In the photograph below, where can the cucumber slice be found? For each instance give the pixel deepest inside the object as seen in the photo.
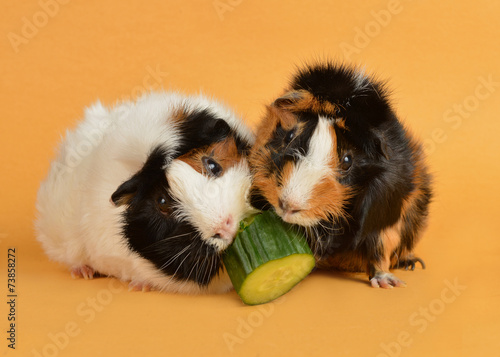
(267, 258)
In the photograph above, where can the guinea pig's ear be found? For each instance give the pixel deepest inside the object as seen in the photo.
(382, 145)
(290, 99)
(144, 180)
(303, 100)
(124, 193)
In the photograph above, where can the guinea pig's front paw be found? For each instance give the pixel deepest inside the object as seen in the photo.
(139, 286)
(82, 271)
(386, 280)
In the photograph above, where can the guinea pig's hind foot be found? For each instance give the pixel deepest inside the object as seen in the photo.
(139, 286)
(386, 280)
(409, 263)
(82, 271)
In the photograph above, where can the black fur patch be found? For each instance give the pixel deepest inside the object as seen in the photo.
(242, 146)
(173, 247)
(283, 150)
(202, 128)
(258, 201)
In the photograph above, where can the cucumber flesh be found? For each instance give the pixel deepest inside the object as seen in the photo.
(275, 278)
(267, 259)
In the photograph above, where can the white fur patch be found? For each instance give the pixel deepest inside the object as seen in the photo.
(206, 202)
(311, 169)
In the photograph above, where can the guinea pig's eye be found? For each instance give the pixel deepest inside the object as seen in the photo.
(163, 204)
(346, 162)
(289, 136)
(211, 166)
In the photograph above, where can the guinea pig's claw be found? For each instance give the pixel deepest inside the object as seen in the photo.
(139, 286)
(410, 263)
(386, 281)
(83, 271)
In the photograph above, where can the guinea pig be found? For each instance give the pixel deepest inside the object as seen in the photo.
(332, 158)
(150, 192)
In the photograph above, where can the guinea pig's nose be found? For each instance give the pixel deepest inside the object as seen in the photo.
(287, 208)
(281, 204)
(226, 229)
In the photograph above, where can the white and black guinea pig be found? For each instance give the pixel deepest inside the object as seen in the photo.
(150, 192)
(332, 157)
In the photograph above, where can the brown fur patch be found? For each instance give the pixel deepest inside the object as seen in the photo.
(327, 200)
(346, 261)
(340, 122)
(274, 116)
(260, 156)
(287, 172)
(123, 200)
(266, 185)
(420, 179)
(390, 238)
(224, 152)
(179, 115)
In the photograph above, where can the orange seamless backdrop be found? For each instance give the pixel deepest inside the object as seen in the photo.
(441, 59)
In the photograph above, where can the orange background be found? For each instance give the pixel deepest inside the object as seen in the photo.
(436, 55)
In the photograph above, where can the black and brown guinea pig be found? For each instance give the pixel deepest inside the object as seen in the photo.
(332, 157)
(150, 192)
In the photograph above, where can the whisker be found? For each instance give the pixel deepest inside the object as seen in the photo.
(163, 240)
(171, 260)
(176, 270)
